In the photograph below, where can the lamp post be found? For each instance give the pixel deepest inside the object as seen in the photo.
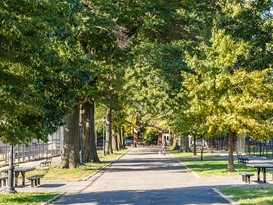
(103, 137)
(11, 188)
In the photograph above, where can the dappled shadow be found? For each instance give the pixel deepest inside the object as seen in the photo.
(199, 195)
(147, 164)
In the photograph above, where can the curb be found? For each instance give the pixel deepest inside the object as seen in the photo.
(53, 199)
(225, 197)
(190, 170)
(107, 165)
(86, 178)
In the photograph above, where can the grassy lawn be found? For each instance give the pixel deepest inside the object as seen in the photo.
(56, 174)
(212, 166)
(25, 198)
(252, 195)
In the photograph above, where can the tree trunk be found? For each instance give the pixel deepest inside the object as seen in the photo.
(89, 141)
(194, 146)
(118, 138)
(122, 138)
(230, 152)
(181, 145)
(94, 154)
(70, 157)
(108, 141)
(115, 142)
(202, 151)
(86, 133)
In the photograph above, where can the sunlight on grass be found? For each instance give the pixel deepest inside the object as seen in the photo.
(252, 195)
(56, 174)
(212, 166)
(33, 198)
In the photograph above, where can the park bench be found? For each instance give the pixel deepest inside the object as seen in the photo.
(46, 163)
(242, 159)
(35, 180)
(4, 179)
(246, 176)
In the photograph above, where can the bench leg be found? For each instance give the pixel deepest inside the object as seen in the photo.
(5, 182)
(32, 182)
(248, 179)
(38, 181)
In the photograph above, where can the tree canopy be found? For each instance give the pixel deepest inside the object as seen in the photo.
(204, 67)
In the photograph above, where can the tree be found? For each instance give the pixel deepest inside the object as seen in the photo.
(222, 94)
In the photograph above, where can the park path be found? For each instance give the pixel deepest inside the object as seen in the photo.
(143, 176)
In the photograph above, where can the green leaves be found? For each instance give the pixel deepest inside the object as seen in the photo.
(39, 64)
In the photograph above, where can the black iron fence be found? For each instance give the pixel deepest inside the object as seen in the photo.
(259, 148)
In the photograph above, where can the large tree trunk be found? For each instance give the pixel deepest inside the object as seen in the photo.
(230, 152)
(89, 141)
(70, 157)
(122, 138)
(108, 141)
(119, 138)
(194, 146)
(86, 133)
(115, 141)
(94, 154)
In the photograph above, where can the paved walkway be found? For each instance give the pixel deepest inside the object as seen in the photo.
(142, 176)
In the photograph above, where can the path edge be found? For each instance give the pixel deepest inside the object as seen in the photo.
(225, 197)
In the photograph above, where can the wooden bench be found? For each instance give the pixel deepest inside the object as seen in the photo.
(246, 176)
(242, 159)
(35, 180)
(4, 179)
(46, 163)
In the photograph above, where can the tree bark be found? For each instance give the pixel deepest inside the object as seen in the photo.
(89, 141)
(115, 141)
(194, 146)
(70, 157)
(202, 151)
(230, 152)
(108, 137)
(94, 154)
(122, 138)
(86, 132)
(118, 138)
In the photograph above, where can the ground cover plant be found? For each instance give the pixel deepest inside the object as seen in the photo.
(213, 165)
(24, 198)
(55, 174)
(250, 195)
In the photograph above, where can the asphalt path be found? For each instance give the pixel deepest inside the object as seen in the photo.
(143, 176)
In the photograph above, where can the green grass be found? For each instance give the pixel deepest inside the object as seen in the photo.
(252, 195)
(56, 174)
(212, 166)
(33, 198)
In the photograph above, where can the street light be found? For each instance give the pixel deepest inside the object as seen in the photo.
(103, 139)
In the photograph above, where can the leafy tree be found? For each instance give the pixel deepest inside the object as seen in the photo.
(38, 55)
(227, 97)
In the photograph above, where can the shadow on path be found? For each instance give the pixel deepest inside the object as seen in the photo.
(179, 196)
